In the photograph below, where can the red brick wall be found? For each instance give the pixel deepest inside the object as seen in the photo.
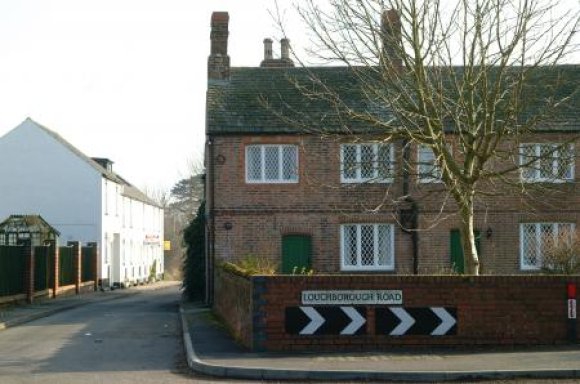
(491, 310)
(233, 303)
(260, 214)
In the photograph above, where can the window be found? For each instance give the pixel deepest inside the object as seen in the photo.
(427, 169)
(536, 238)
(106, 193)
(367, 162)
(367, 247)
(272, 164)
(549, 162)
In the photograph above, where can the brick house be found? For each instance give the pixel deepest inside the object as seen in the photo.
(297, 194)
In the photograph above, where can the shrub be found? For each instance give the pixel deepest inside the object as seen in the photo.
(194, 261)
(254, 265)
(561, 255)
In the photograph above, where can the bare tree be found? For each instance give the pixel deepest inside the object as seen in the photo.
(477, 76)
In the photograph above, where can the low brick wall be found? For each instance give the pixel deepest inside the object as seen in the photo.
(489, 310)
(233, 303)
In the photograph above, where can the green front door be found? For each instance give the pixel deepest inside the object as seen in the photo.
(296, 253)
(457, 260)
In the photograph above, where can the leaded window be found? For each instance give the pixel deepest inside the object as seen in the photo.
(368, 162)
(536, 239)
(547, 162)
(271, 164)
(367, 247)
(427, 168)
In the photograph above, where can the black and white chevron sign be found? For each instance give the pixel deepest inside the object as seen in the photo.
(399, 321)
(326, 320)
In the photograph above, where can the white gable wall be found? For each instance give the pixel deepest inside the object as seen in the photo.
(39, 175)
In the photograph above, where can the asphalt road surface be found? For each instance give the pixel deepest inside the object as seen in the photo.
(135, 339)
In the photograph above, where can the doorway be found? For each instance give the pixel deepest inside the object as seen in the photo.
(296, 253)
(457, 260)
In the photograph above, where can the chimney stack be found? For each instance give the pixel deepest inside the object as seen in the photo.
(283, 62)
(218, 64)
(391, 35)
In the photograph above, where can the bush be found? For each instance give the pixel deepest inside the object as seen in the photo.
(562, 255)
(194, 262)
(253, 265)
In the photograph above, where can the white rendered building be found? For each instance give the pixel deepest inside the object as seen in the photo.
(41, 173)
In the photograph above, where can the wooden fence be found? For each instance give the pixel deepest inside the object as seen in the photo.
(27, 272)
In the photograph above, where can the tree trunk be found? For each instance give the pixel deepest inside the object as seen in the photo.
(470, 255)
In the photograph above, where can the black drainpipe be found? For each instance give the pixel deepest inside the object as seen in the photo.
(210, 222)
(409, 216)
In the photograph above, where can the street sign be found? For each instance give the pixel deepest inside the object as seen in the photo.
(326, 320)
(346, 297)
(400, 321)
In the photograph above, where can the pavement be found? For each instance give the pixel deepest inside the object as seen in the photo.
(212, 351)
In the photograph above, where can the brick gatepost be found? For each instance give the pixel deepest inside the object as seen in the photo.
(53, 254)
(95, 259)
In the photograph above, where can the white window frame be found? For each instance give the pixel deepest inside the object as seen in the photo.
(537, 178)
(263, 179)
(538, 243)
(370, 268)
(375, 177)
(422, 164)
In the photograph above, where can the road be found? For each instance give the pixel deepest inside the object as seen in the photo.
(136, 339)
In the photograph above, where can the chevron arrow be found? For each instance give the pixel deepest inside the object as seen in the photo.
(406, 321)
(447, 321)
(316, 321)
(356, 321)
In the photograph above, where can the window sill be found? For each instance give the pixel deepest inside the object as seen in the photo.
(430, 181)
(271, 182)
(548, 181)
(367, 269)
(530, 269)
(370, 181)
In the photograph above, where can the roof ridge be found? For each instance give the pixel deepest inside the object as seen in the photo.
(137, 194)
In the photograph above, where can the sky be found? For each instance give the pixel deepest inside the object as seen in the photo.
(122, 79)
(126, 79)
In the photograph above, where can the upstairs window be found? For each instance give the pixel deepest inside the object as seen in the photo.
(427, 168)
(367, 163)
(548, 162)
(272, 164)
(367, 247)
(536, 239)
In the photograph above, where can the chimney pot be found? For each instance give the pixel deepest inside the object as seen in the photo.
(268, 49)
(285, 49)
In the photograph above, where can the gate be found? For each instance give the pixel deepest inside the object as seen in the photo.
(66, 266)
(12, 270)
(41, 268)
(87, 264)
